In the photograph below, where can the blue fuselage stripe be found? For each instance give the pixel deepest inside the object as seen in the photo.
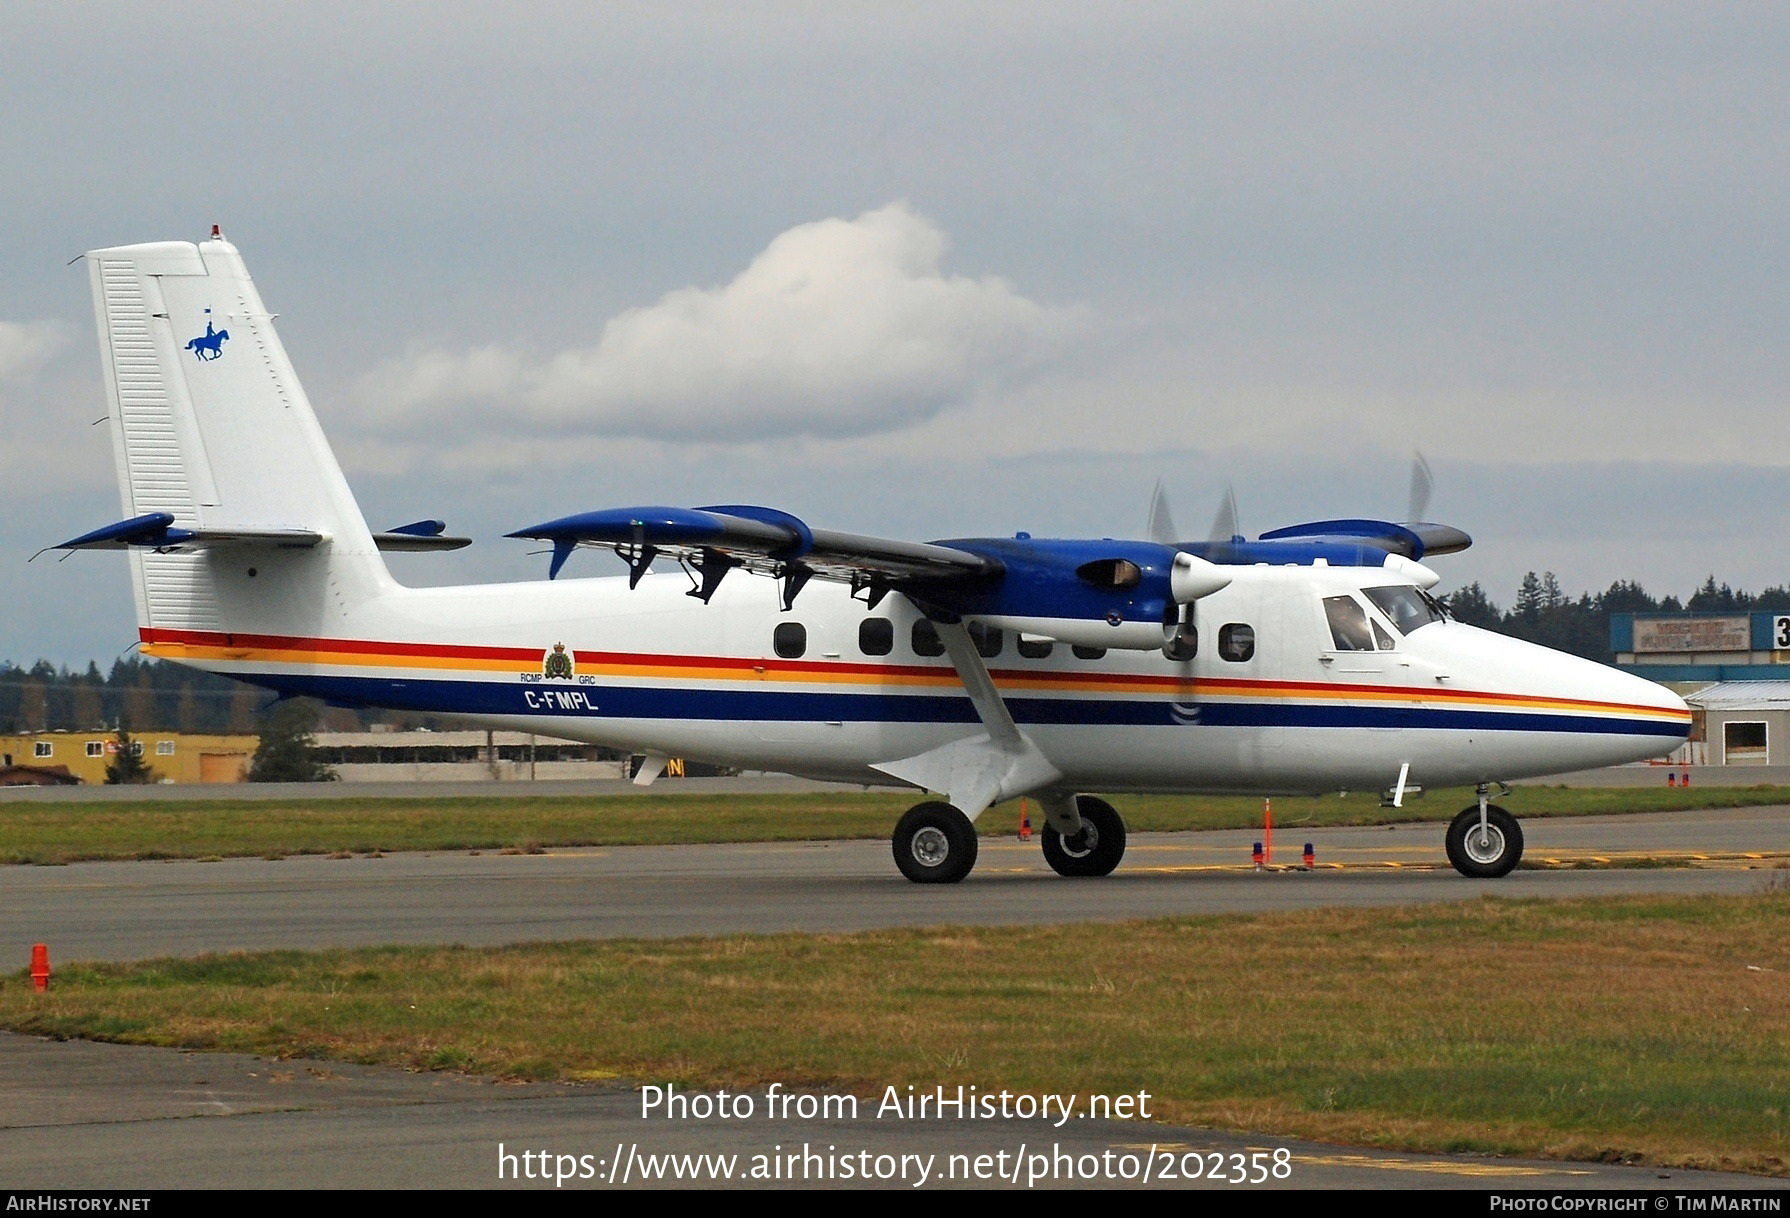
(757, 705)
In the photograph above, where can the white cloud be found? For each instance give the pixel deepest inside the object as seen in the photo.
(838, 328)
(47, 406)
(27, 346)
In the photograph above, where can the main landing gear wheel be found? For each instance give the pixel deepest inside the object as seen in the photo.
(1096, 850)
(1488, 855)
(934, 844)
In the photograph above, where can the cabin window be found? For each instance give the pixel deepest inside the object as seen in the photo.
(1348, 624)
(926, 639)
(1087, 653)
(876, 636)
(988, 640)
(43, 748)
(96, 748)
(790, 639)
(1236, 642)
(1408, 608)
(1035, 648)
(1744, 744)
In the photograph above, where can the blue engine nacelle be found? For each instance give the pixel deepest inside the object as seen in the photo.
(1121, 594)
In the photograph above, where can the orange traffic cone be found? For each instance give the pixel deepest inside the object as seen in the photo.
(40, 967)
(1025, 822)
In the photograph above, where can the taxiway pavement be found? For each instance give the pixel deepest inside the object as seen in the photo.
(79, 1115)
(122, 911)
(86, 1116)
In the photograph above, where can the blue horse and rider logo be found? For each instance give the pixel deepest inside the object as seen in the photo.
(209, 345)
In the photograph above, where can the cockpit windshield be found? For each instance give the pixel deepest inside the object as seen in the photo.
(1409, 608)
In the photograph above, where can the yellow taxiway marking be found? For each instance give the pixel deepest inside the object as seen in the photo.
(1435, 1166)
(1438, 1166)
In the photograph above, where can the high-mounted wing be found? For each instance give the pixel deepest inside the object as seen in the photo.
(1412, 539)
(1100, 593)
(711, 541)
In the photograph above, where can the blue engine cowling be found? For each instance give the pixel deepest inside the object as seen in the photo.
(1089, 593)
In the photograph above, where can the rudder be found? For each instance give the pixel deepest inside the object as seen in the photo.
(211, 426)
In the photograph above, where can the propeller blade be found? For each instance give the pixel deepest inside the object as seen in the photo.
(1162, 523)
(1224, 525)
(1422, 483)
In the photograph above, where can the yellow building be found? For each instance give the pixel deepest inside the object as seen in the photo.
(174, 756)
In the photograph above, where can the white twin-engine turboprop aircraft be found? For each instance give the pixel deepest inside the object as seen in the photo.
(1311, 659)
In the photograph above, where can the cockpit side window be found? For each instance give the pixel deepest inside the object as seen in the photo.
(1348, 624)
(1407, 608)
(1381, 636)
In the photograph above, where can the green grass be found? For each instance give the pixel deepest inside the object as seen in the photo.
(33, 832)
(1641, 1029)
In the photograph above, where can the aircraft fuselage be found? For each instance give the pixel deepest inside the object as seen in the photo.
(1269, 702)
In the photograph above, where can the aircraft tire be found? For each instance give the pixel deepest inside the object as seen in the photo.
(1487, 860)
(934, 843)
(1101, 847)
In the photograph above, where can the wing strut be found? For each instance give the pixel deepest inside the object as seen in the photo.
(977, 771)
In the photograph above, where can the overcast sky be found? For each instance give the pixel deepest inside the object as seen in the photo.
(932, 271)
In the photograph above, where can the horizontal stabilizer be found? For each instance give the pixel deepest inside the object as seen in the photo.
(156, 530)
(418, 537)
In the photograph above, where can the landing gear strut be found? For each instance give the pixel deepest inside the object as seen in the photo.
(934, 843)
(1484, 841)
(1095, 849)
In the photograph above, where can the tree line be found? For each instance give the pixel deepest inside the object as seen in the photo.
(144, 695)
(1543, 613)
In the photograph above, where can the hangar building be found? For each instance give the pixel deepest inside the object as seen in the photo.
(1692, 649)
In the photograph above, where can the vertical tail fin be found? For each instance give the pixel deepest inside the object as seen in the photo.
(211, 426)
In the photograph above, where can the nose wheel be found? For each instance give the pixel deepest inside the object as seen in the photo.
(1093, 850)
(1485, 845)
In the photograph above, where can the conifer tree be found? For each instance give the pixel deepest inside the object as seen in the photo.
(127, 764)
(287, 751)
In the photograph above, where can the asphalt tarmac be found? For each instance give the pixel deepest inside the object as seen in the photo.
(744, 784)
(124, 911)
(81, 1115)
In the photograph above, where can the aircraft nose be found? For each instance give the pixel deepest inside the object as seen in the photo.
(1642, 692)
(1652, 702)
(1589, 715)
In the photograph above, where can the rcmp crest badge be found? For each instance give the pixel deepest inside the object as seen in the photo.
(558, 664)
